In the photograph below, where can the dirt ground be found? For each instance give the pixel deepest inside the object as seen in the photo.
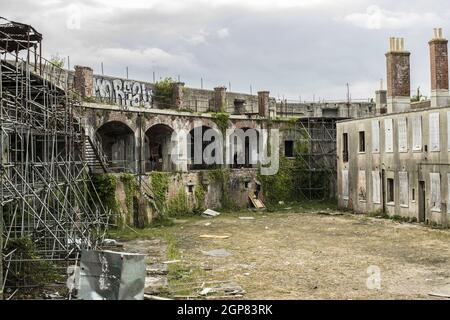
(310, 256)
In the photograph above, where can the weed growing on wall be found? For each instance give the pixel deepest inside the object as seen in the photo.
(222, 121)
(162, 93)
(179, 204)
(222, 177)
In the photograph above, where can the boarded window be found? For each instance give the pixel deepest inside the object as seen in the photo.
(345, 184)
(390, 189)
(434, 131)
(375, 136)
(402, 135)
(403, 186)
(448, 131)
(376, 187)
(417, 133)
(435, 190)
(388, 136)
(362, 196)
(448, 192)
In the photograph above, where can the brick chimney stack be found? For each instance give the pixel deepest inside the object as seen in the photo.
(177, 95)
(220, 99)
(263, 103)
(84, 81)
(439, 69)
(398, 76)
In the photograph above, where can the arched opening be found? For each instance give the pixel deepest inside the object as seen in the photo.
(158, 146)
(245, 148)
(196, 149)
(118, 144)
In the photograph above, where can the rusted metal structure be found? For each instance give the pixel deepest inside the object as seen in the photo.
(49, 210)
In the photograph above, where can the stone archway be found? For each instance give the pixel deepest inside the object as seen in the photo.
(245, 148)
(158, 147)
(118, 144)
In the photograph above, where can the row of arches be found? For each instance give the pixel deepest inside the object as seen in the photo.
(120, 146)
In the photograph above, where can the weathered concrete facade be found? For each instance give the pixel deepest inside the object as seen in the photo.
(399, 162)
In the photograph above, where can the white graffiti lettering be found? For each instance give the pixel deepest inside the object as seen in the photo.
(123, 92)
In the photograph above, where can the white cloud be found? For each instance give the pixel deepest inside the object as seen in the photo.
(377, 18)
(144, 57)
(197, 37)
(223, 33)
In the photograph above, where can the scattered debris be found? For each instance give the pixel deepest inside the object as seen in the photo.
(155, 285)
(257, 203)
(212, 236)
(179, 221)
(227, 289)
(152, 297)
(219, 253)
(329, 213)
(207, 224)
(288, 208)
(443, 292)
(210, 213)
(109, 242)
(157, 269)
(171, 261)
(267, 228)
(247, 218)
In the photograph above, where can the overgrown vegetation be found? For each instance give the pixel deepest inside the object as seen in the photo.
(179, 204)
(291, 183)
(105, 185)
(57, 61)
(35, 271)
(160, 187)
(162, 93)
(222, 120)
(130, 187)
(221, 176)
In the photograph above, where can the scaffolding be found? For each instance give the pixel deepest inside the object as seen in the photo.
(316, 157)
(46, 194)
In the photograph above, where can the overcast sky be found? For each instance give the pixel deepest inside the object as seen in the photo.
(289, 47)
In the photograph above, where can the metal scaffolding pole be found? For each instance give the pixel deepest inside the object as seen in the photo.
(47, 196)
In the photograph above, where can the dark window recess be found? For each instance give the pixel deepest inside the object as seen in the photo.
(413, 195)
(390, 190)
(362, 141)
(246, 184)
(345, 147)
(190, 188)
(289, 148)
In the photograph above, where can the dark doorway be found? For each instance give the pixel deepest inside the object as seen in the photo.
(421, 201)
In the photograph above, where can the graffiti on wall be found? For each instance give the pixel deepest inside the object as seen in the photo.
(123, 92)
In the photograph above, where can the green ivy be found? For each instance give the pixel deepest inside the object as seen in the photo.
(222, 120)
(130, 187)
(105, 185)
(160, 187)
